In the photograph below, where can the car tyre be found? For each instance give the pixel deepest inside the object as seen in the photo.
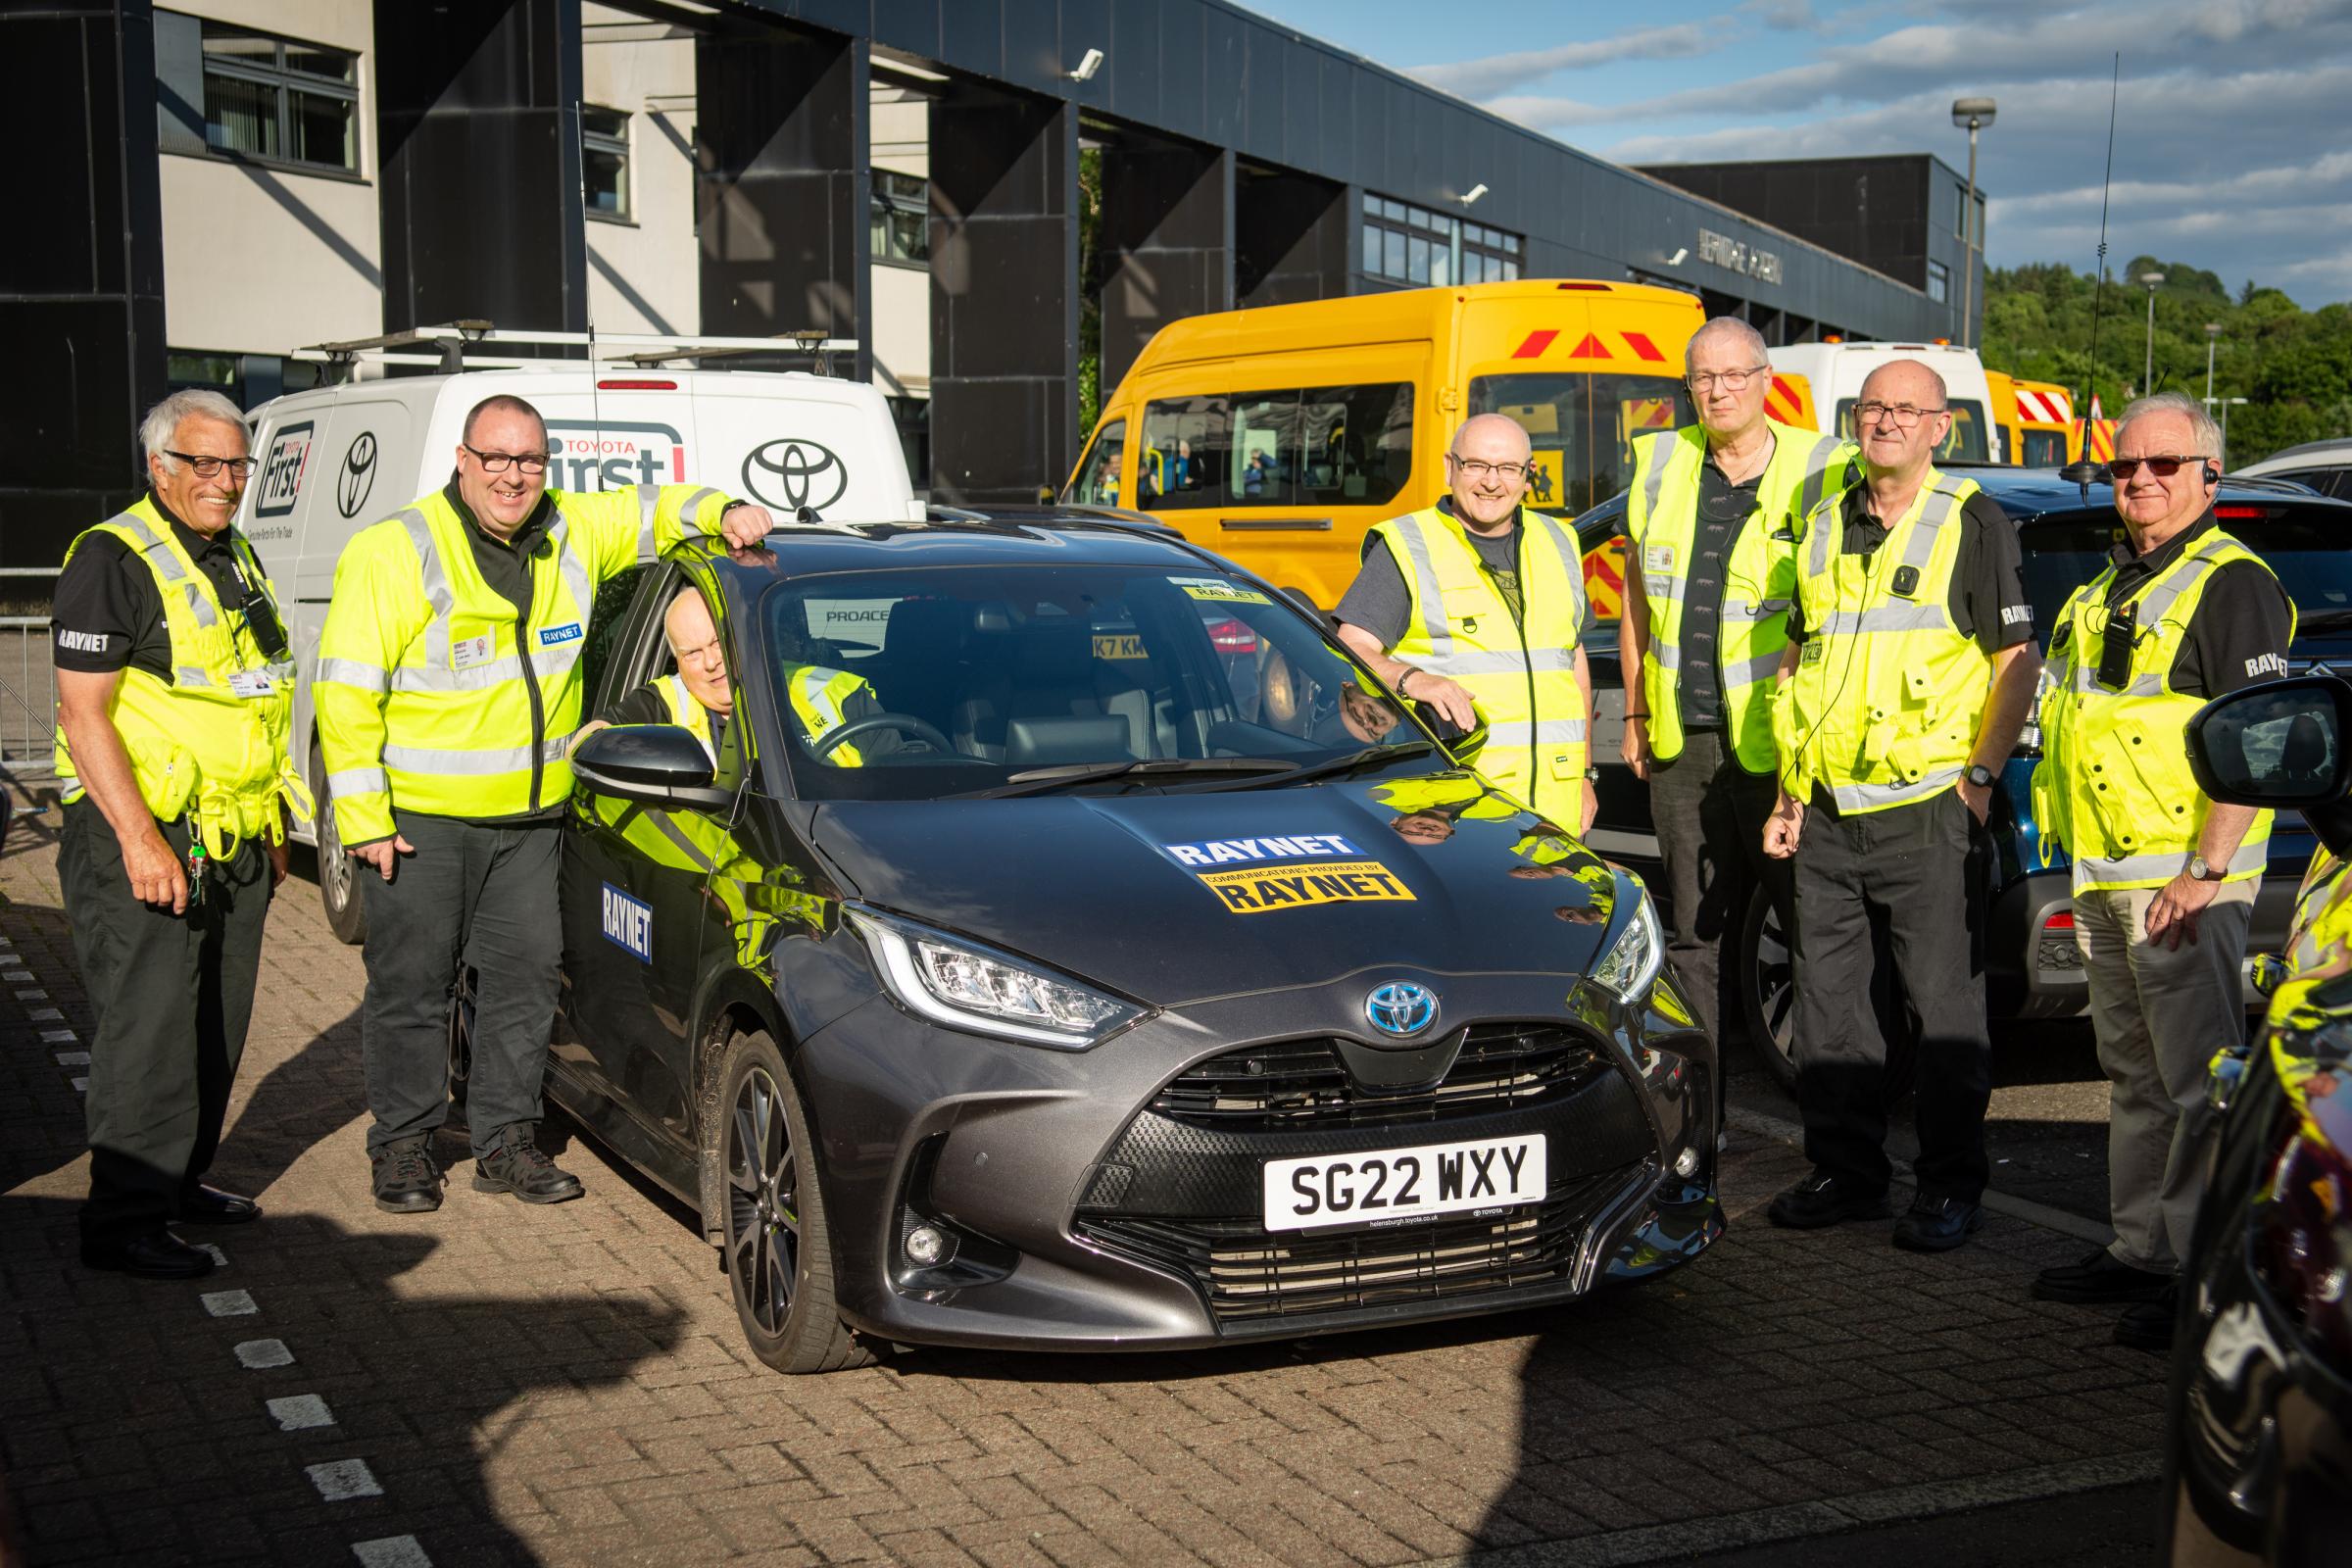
(773, 1238)
(339, 876)
(1768, 1005)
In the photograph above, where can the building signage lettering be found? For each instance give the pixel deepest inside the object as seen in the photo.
(1721, 250)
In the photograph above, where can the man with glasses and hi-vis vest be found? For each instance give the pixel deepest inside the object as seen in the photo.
(448, 687)
(174, 695)
(1473, 607)
(1910, 667)
(1710, 565)
(2164, 878)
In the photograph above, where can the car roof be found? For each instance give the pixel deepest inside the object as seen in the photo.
(2334, 453)
(1040, 536)
(2028, 494)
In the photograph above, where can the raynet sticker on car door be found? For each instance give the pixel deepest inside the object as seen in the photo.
(1255, 875)
(628, 923)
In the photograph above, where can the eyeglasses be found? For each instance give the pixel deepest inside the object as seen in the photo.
(1905, 415)
(2163, 467)
(209, 468)
(1729, 380)
(1473, 468)
(497, 462)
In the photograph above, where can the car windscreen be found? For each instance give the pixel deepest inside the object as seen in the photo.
(2304, 544)
(943, 680)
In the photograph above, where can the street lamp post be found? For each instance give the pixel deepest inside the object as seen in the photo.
(1971, 113)
(2224, 404)
(2148, 375)
(2212, 335)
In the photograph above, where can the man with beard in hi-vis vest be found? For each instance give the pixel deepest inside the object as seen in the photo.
(1910, 666)
(175, 696)
(1710, 566)
(448, 686)
(1473, 607)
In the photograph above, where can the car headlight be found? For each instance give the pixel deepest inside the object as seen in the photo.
(966, 986)
(1633, 961)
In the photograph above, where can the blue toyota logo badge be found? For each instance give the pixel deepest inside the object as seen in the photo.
(1401, 1008)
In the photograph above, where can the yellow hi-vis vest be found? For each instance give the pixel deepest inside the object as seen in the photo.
(1759, 575)
(2114, 784)
(1883, 704)
(1522, 678)
(687, 714)
(433, 693)
(820, 697)
(211, 742)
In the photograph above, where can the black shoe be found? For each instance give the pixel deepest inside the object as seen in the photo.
(406, 1180)
(156, 1255)
(210, 1205)
(2099, 1277)
(1822, 1199)
(1937, 1224)
(519, 1165)
(2149, 1325)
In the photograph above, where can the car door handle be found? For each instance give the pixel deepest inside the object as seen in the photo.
(1275, 525)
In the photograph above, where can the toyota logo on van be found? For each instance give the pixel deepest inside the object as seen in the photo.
(358, 476)
(792, 473)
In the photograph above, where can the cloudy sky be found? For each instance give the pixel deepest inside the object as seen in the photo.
(2233, 135)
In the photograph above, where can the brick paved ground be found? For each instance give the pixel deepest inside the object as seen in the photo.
(503, 1383)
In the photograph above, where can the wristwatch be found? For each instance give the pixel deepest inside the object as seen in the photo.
(1980, 775)
(2200, 871)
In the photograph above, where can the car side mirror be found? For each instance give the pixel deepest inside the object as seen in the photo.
(654, 764)
(2280, 744)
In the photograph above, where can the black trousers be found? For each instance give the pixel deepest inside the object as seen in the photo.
(173, 996)
(1709, 813)
(471, 894)
(1917, 868)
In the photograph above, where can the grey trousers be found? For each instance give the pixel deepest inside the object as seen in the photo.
(470, 895)
(1709, 813)
(2159, 1016)
(172, 995)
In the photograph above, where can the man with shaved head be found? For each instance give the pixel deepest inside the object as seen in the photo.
(1910, 666)
(1473, 609)
(1710, 562)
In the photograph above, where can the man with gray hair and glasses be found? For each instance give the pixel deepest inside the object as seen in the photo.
(2164, 878)
(1710, 567)
(174, 693)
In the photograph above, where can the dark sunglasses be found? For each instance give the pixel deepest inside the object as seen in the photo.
(2163, 467)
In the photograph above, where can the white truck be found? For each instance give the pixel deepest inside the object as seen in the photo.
(336, 458)
(1833, 373)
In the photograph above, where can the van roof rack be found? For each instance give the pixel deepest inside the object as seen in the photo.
(452, 340)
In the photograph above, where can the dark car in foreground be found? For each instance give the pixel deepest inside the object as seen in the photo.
(2066, 529)
(1153, 980)
(2258, 1434)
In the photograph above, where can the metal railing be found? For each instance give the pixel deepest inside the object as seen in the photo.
(28, 686)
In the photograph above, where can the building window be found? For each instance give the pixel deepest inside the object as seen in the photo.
(1940, 282)
(605, 161)
(901, 218)
(280, 101)
(1408, 244)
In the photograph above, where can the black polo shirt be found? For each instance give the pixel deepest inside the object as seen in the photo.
(2240, 633)
(107, 612)
(1987, 599)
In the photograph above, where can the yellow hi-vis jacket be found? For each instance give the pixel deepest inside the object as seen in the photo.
(820, 699)
(211, 742)
(2114, 784)
(433, 693)
(1522, 678)
(1883, 704)
(1759, 575)
(685, 712)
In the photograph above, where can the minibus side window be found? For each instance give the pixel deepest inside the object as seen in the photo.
(1098, 476)
(1309, 446)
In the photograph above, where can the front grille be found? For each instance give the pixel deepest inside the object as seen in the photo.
(1247, 1274)
(1295, 1085)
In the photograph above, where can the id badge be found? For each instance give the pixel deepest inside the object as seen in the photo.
(252, 683)
(467, 652)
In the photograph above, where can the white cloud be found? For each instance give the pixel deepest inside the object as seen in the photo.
(1495, 74)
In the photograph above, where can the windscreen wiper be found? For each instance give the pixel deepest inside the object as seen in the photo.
(1039, 780)
(1369, 757)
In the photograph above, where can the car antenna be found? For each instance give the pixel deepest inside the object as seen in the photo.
(2083, 470)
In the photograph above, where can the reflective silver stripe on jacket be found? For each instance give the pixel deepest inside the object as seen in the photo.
(649, 501)
(1895, 617)
(1918, 615)
(1872, 797)
(352, 673)
(359, 781)
(1572, 560)
(1548, 732)
(498, 760)
(2159, 600)
(575, 580)
(1655, 485)
(1435, 630)
(1748, 671)
(1817, 474)
(168, 568)
(434, 578)
(693, 503)
(1543, 661)
(2251, 856)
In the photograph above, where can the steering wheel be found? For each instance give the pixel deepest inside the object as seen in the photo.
(904, 723)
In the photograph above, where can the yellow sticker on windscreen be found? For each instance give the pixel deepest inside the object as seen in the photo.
(1218, 591)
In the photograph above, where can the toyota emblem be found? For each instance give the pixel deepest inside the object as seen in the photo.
(1401, 1008)
(792, 473)
(358, 476)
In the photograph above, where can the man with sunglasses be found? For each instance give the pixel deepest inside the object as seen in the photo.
(448, 687)
(1710, 563)
(1473, 607)
(1910, 668)
(174, 691)
(2164, 878)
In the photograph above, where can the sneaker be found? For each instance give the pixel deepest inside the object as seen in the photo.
(519, 1165)
(2099, 1277)
(1937, 1224)
(1822, 1199)
(406, 1180)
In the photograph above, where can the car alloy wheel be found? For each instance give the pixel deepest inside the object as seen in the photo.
(338, 881)
(763, 1220)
